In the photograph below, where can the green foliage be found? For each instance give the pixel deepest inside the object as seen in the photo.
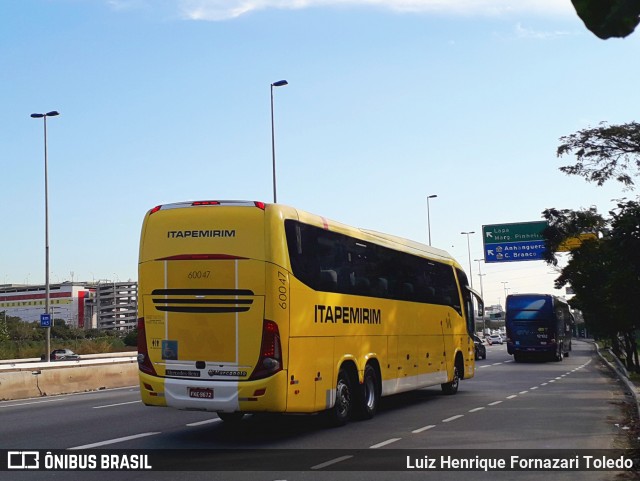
(4, 328)
(604, 272)
(34, 349)
(20, 340)
(609, 18)
(131, 339)
(604, 153)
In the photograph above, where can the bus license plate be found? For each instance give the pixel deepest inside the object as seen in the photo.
(201, 393)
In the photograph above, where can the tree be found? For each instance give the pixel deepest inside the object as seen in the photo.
(4, 328)
(625, 279)
(131, 339)
(604, 153)
(603, 271)
(609, 18)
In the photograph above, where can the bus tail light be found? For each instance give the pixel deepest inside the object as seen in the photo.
(270, 360)
(144, 363)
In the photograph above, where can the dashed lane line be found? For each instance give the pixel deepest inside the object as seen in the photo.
(31, 402)
(384, 443)
(452, 418)
(206, 421)
(114, 441)
(114, 405)
(330, 462)
(424, 428)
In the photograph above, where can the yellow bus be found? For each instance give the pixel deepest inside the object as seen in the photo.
(247, 307)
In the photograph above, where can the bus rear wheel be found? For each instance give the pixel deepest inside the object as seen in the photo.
(341, 411)
(369, 395)
(451, 387)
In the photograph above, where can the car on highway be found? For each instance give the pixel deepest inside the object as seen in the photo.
(481, 351)
(62, 355)
(494, 339)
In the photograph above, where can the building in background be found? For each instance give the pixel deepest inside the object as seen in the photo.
(86, 305)
(114, 305)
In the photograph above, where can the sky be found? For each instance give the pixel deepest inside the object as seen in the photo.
(387, 102)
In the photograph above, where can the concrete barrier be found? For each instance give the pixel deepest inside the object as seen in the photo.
(21, 381)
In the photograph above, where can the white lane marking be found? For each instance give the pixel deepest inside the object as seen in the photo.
(534, 387)
(384, 443)
(452, 418)
(424, 428)
(523, 392)
(544, 383)
(30, 402)
(208, 421)
(476, 409)
(114, 441)
(494, 403)
(113, 405)
(330, 462)
(512, 396)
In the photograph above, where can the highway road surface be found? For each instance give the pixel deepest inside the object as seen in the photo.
(507, 409)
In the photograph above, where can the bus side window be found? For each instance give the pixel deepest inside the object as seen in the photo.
(362, 286)
(407, 291)
(328, 280)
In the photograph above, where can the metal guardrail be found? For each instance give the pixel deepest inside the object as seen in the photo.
(86, 359)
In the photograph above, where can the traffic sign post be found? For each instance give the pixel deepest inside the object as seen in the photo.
(513, 242)
(45, 320)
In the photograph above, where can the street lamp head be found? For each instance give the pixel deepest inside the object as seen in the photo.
(280, 83)
(467, 233)
(53, 113)
(433, 196)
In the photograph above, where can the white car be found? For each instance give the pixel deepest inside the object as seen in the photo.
(494, 339)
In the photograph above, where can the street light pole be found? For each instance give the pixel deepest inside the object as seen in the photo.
(429, 215)
(504, 286)
(279, 83)
(53, 113)
(480, 274)
(469, 252)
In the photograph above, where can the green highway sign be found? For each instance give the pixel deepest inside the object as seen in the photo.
(517, 232)
(513, 242)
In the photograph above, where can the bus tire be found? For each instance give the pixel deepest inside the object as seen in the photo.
(517, 357)
(451, 387)
(559, 357)
(231, 418)
(369, 395)
(341, 411)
